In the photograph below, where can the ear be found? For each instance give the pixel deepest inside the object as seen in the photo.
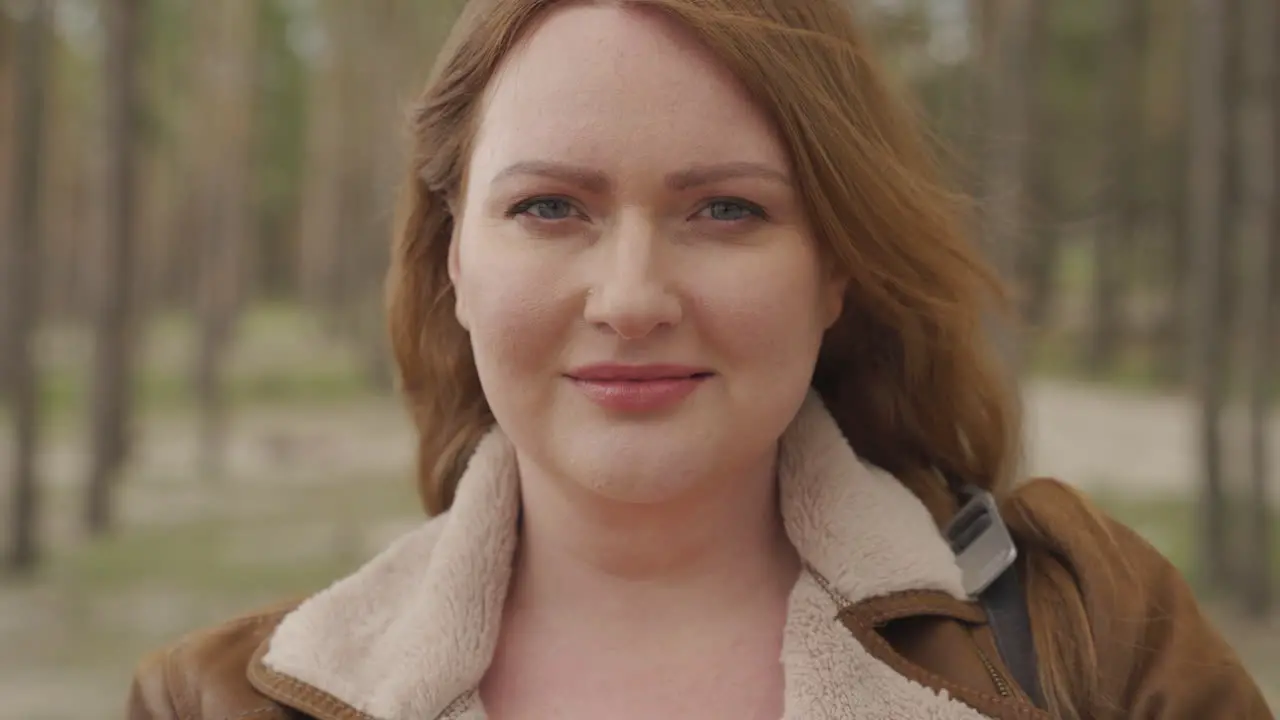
(455, 274)
(833, 292)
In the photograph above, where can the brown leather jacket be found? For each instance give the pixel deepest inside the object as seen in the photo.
(1163, 661)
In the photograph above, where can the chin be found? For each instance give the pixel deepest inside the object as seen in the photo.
(653, 459)
(642, 488)
(646, 467)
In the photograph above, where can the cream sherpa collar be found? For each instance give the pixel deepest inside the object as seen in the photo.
(410, 635)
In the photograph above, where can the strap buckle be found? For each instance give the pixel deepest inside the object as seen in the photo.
(981, 541)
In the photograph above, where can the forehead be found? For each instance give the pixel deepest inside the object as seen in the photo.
(608, 86)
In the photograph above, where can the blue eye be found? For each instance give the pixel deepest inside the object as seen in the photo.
(545, 209)
(732, 210)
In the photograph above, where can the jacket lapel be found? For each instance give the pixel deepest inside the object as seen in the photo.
(862, 535)
(411, 634)
(414, 629)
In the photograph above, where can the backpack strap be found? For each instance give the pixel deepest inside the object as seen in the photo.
(1005, 604)
(986, 553)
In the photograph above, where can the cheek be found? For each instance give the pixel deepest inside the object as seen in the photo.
(517, 314)
(769, 321)
(513, 325)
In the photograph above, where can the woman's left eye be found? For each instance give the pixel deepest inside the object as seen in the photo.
(731, 210)
(544, 208)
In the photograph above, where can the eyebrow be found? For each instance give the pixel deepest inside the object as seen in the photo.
(707, 174)
(597, 182)
(585, 178)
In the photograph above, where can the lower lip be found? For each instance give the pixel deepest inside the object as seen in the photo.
(639, 395)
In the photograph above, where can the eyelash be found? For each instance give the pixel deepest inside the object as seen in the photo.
(751, 208)
(524, 206)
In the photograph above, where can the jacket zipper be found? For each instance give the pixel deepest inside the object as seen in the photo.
(1002, 685)
(842, 605)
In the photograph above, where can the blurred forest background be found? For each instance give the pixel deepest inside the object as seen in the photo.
(195, 201)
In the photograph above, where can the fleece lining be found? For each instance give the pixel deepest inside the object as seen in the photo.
(412, 633)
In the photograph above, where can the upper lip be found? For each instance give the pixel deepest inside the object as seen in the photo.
(616, 371)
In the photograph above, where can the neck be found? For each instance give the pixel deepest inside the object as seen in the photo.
(586, 555)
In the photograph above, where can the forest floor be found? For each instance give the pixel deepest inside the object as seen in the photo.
(313, 488)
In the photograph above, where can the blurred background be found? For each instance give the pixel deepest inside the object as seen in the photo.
(195, 200)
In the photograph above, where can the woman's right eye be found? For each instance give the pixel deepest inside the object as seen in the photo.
(544, 209)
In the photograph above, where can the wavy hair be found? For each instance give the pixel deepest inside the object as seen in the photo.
(906, 371)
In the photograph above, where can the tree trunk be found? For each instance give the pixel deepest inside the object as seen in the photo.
(1231, 438)
(1174, 348)
(1232, 150)
(1010, 27)
(381, 167)
(227, 74)
(181, 179)
(1207, 143)
(1173, 363)
(352, 147)
(23, 281)
(1262, 223)
(1123, 110)
(320, 241)
(1040, 257)
(113, 379)
(6, 148)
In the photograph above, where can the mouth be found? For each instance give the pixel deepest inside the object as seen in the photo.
(637, 373)
(638, 389)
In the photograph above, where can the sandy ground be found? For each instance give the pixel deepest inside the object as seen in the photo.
(1103, 439)
(1100, 439)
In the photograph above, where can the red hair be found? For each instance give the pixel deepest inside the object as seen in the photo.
(906, 371)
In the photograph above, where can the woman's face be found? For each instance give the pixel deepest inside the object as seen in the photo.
(644, 298)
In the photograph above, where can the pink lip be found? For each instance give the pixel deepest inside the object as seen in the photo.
(638, 388)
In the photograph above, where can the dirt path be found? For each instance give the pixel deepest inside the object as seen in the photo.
(1100, 438)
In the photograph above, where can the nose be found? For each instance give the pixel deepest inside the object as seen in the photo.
(631, 295)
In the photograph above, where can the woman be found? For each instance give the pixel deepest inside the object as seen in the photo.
(689, 333)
